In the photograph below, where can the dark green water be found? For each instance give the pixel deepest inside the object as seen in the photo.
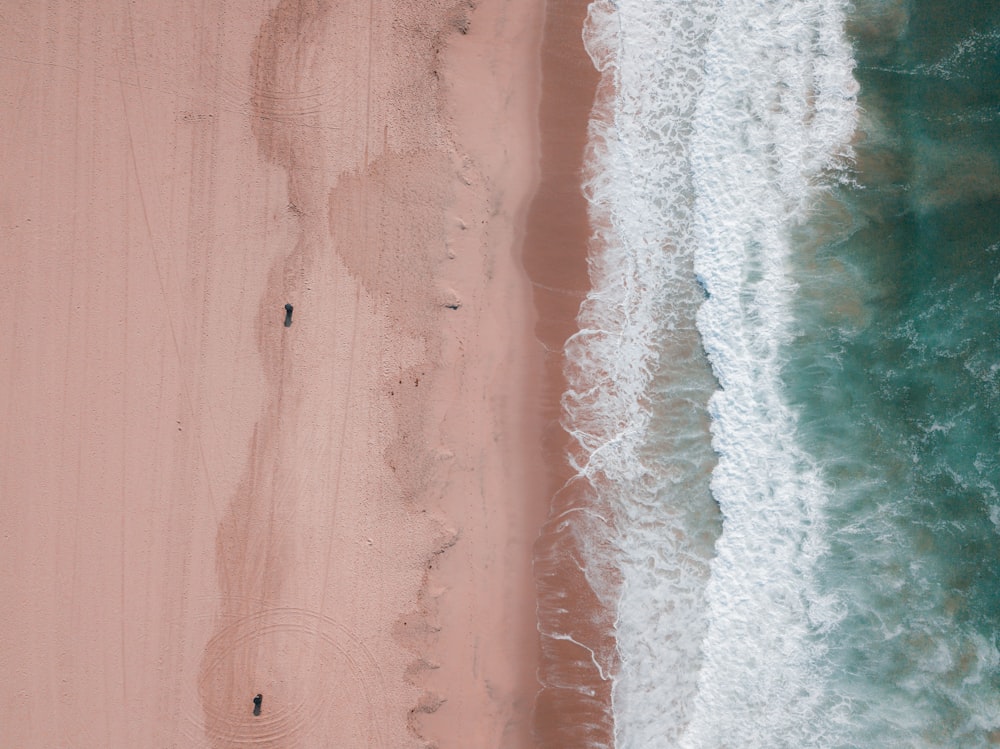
(896, 376)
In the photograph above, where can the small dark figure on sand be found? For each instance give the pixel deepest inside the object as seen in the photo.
(288, 315)
(256, 704)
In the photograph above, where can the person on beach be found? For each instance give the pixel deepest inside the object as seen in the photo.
(288, 315)
(256, 704)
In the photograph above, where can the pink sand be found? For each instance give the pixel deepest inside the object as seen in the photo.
(200, 504)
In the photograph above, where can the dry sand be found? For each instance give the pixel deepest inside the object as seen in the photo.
(200, 504)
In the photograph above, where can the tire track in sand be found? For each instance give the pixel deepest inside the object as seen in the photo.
(256, 654)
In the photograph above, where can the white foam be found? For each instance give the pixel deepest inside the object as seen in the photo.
(777, 112)
(966, 55)
(726, 118)
(637, 357)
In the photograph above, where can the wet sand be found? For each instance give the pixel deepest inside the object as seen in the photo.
(202, 504)
(574, 707)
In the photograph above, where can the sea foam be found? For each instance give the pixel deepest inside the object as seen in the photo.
(722, 122)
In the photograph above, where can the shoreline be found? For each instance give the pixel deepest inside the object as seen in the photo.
(574, 706)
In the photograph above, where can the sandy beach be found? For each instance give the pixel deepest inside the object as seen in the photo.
(201, 504)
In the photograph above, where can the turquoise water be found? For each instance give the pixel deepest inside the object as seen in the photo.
(895, 372)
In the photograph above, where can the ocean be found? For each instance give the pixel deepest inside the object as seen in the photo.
(784, 392)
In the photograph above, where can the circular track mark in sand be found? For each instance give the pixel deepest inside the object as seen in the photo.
(315, 675)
